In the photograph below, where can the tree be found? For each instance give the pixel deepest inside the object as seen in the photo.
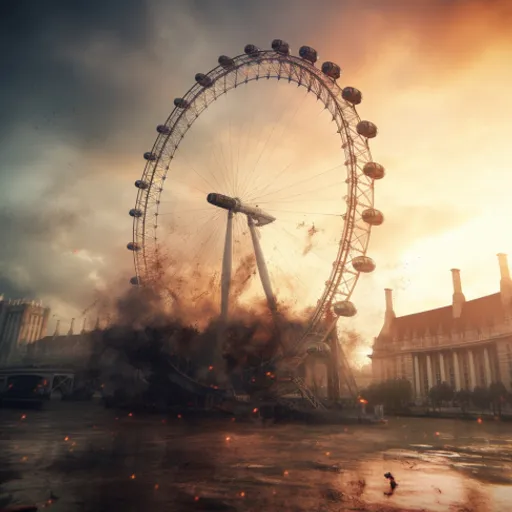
(463, 397)
(440, 393)
(498, 395)
(481, 397)
(394, 394)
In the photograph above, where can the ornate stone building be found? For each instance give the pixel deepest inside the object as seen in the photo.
(21, 323)
(467, 344)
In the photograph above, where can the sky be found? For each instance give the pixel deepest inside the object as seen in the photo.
(85, 83)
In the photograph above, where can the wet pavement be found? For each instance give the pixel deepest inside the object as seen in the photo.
(93, 459)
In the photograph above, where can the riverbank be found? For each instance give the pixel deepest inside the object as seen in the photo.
(450, 414)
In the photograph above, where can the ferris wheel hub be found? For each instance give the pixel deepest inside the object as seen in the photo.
(233, 204)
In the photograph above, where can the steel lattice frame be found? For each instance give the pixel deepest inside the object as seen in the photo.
(360, 189)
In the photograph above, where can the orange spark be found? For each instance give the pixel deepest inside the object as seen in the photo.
(228, 438)
(242, 494)
(66, 438)
(23, 417)
(255, 410)
(479, 420)
(133, 477)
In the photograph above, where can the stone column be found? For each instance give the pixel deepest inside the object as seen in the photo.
(487, 366)
(456, 371)
(441, 367)
(429, 373)
(417, 380)
(472, 376)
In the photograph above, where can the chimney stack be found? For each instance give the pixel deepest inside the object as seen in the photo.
(458, 297)
(389, 300)
(71, 327)
(57, 329)
(84, 325)
(389, 314)
(505, 281)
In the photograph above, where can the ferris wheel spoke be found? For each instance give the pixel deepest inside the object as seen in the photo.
(290, 135)
(195, 171)
(302, 182)
(301, 194)
(279, 121)
(273, 210)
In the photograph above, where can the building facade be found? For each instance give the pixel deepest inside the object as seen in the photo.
(466, 344)
(21, 322)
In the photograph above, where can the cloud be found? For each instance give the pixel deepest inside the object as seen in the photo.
(88, 84)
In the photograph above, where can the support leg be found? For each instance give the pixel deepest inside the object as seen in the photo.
(262, 268)
(226, 269)
(225, 285)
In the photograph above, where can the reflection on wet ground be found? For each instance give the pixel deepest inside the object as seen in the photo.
(93, 459)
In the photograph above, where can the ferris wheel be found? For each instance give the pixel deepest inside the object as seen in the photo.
(217, 230)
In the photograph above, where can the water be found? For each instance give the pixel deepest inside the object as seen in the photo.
(94, 459)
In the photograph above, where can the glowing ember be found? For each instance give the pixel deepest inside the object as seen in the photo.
(285, 473)
(133, 477)
(196, 498)
(66, 438)
(228, 438)
(130, 414)
(23, 417)
(242, 494)
(210, 368)
(255, 410)
(479, 420)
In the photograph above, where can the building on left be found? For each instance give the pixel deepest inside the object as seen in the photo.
(21, 322)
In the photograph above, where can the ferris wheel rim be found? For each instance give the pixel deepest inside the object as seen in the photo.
(338, 286)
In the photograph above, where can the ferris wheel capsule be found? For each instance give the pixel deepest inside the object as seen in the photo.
(226, 62)
(135, 212)
(181, 103)
(344, 308)
(280, 46)
(352, 95)
(141, 184)
(373, 217)
(366, 129)
(203, 80)
(162, 129)
(308, 53)
(319, 349)
(150, 157)
(374, 170)
(331, 70)
(133, 246)
(251, 50)
(363, 264)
